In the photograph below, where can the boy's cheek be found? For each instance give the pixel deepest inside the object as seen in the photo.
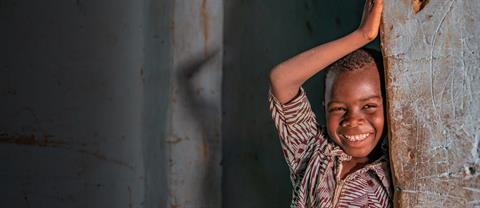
(379, 125)
(332, 124)
(380, 119)
(332, 128)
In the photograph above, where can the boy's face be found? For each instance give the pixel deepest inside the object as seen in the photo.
(354, 109)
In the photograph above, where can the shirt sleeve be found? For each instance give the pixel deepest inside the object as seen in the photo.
(297, 128)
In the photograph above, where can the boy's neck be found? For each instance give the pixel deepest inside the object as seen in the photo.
(357, 163)
(353, 165)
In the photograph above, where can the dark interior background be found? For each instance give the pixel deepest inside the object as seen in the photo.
(86, 94)
(258, 35)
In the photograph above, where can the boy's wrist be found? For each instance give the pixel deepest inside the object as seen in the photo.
(361, 38)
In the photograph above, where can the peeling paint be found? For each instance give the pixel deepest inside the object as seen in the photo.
(173, 139)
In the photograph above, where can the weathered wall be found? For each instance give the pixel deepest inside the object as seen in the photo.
(156, 79)
(110, 103)
(258, 35)
(72, 94)
(193, 139)
(117, 103)
(433, 82)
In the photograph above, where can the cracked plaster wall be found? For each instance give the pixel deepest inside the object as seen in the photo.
(433, 83)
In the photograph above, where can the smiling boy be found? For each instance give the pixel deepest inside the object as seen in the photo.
(344, 166)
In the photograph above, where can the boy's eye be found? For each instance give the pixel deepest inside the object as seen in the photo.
(370, 107)
(337, 109)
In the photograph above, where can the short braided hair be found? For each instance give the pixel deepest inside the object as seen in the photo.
(356, 61)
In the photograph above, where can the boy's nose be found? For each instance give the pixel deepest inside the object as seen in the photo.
(352, 120)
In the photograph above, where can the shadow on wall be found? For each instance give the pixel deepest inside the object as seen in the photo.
(200, 99)
(200, 106)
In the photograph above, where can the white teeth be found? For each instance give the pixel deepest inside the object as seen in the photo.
(357, 137)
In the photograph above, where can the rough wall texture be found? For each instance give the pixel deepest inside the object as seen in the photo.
(71, 96)
(432, 54)
(110, 103)
(117, 103)
(194, 120)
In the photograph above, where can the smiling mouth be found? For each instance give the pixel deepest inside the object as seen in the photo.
(356, 137)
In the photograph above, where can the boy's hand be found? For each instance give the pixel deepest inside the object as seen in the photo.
(372, 12)
(287, 77)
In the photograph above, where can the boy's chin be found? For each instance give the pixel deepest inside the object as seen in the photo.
(357, 153)
(354, 151)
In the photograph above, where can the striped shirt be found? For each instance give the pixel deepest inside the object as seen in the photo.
(315, 162)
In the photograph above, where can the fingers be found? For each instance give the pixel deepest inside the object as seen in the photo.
(367, 6)
(372, 10)
(371, 3)
(371, 18)
(370, 6)
(375, 10)
(377, 5)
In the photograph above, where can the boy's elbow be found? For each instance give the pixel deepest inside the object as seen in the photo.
(280, 78)
(275, 75)
(272, 75)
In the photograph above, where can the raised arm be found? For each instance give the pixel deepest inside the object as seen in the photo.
(287, 77)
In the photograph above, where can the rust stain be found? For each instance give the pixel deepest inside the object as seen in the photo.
(101, 156)
(45, 141)
(174, 203)
(205, 21)
(172, 23)
(388, 79)
(31, 140)
(418, 5)
(205, 147)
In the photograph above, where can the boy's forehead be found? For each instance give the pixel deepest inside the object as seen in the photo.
(341, 81)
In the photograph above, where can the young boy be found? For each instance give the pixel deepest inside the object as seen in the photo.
(344, 166)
